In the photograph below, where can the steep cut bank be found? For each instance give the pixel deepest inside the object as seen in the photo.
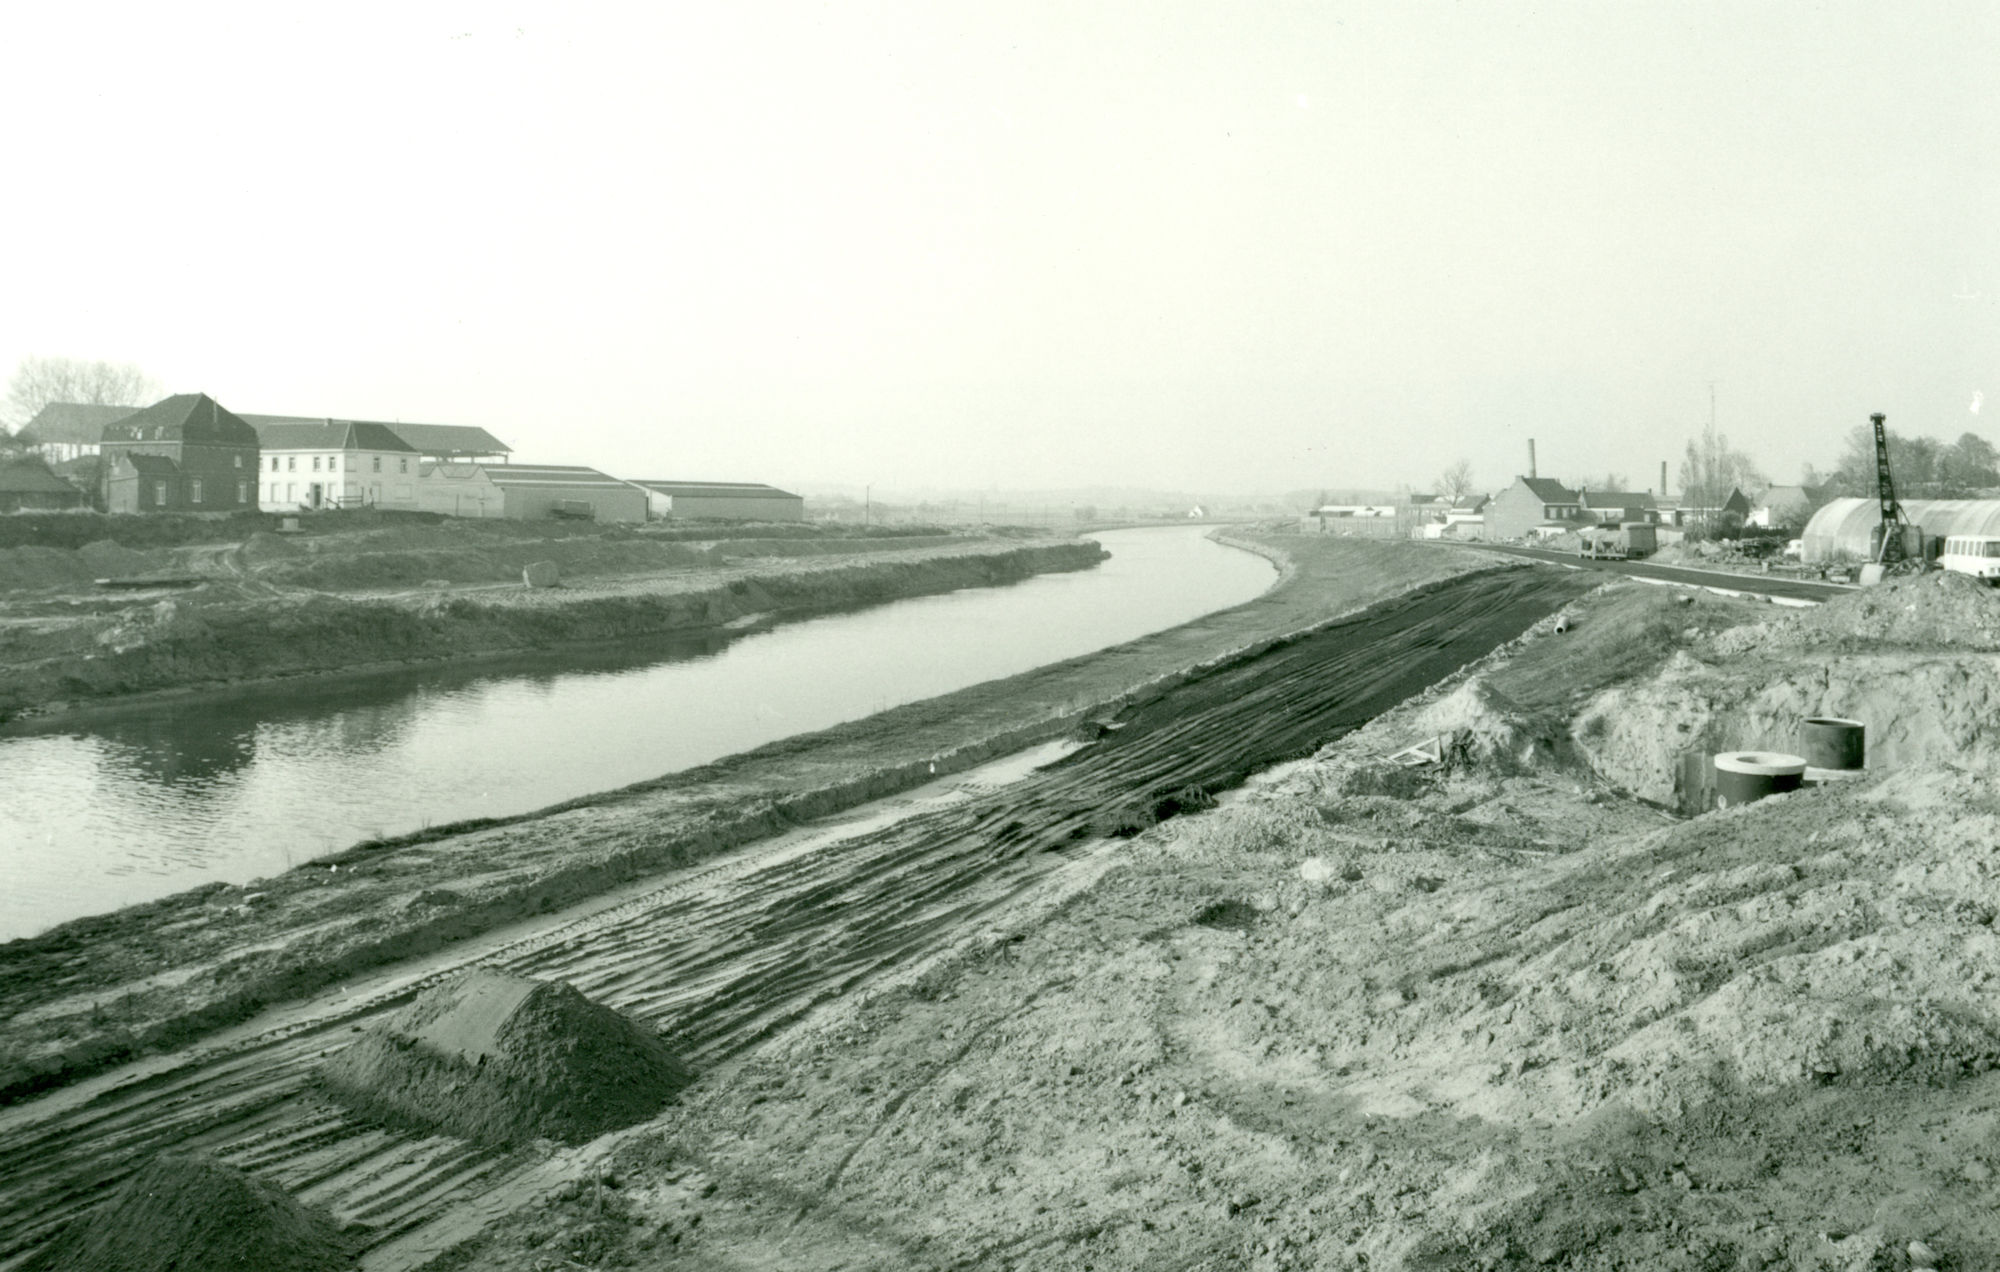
(225, 635)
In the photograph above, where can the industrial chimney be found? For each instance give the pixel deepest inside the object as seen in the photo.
(1663, 479)
(1531, 457)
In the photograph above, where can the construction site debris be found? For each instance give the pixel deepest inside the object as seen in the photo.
(497, 1058)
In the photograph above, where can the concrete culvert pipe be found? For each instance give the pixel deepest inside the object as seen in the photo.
(1743, 777)
(1828, 742)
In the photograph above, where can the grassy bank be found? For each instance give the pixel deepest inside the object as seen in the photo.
(234, 633)
(101, 990)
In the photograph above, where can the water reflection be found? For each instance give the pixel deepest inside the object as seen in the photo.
(102, 811)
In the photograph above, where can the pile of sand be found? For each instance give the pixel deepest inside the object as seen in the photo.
(194, 1212)
(500, 1059)
(1478, 724)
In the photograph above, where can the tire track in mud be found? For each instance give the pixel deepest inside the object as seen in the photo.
(723, 956)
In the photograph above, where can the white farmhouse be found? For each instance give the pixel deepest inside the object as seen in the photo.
(329, 463)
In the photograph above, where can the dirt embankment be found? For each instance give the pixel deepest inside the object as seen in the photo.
(1490, 1013)
(262, 625)
(101, 990)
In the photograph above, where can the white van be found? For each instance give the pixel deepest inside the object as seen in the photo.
(1974, 554)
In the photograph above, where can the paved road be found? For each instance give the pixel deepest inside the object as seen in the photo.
(1757, 584)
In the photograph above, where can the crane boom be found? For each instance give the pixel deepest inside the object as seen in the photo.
(1891, 549)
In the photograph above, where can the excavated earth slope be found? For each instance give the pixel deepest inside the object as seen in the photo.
(1490, 1013)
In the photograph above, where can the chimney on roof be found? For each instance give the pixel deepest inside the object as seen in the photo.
(1531, 457)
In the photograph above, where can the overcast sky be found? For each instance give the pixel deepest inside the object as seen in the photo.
(990, 243)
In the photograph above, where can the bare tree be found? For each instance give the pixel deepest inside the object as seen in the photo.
(39, 381)
(1711, 469)
(1456, 482)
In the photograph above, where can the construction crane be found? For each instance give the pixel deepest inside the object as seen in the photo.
(1890, 551)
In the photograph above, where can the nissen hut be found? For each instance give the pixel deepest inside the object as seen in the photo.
(1844, 529)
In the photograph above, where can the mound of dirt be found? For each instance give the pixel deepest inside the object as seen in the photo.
(500, 1059)
(1925, 611)
(1478, 724)
(195, 1212)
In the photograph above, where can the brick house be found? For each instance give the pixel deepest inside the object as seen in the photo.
(181, 454)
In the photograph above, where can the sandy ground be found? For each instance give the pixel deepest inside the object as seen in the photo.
(1503, 1011)
(1499, 1013)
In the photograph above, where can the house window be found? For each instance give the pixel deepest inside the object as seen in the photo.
(378, 463)
(315, 463)
(291, 491)
(159, 494)
(291, 463)
(242, 492)
(239, 461)
(333, 463)
(194, 490)
(274, 463)
(403, 465)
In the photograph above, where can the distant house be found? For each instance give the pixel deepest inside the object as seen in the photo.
(1694, 512)
(62, 431)
(1783, 506)
(722, 501)
(181, 454)
(333, 464)
(27, 485)
(1614, 506)
(1530, 502)
(527, 492)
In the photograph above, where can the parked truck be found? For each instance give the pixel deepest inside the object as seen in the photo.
(1617, 543)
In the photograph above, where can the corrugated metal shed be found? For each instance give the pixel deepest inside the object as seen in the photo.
(1841, 528)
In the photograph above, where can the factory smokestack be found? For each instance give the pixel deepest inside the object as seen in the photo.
(1531, 458)
(1663, 477)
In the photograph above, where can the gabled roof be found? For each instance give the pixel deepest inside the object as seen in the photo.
(573, 476)
(277, 433)
(1616, 499)
(30, 476)
(72, 422)
(718, 489)
(1772, 496)
(1468, 503)
(184, 417)
(445, 441)
(450, 439)
(149, 465)
(1549, 490)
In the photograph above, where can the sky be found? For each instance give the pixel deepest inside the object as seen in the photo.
(999, 244)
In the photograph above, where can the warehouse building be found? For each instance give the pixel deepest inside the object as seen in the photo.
(1844, 529)
(528, 492)
(63, 431)
(721, 501)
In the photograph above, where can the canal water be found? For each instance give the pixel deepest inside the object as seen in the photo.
(140, 804)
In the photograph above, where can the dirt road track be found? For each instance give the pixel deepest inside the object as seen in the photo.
(720, 957)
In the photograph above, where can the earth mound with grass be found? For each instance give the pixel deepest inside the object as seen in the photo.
(196, 1213)
(502, 1059)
